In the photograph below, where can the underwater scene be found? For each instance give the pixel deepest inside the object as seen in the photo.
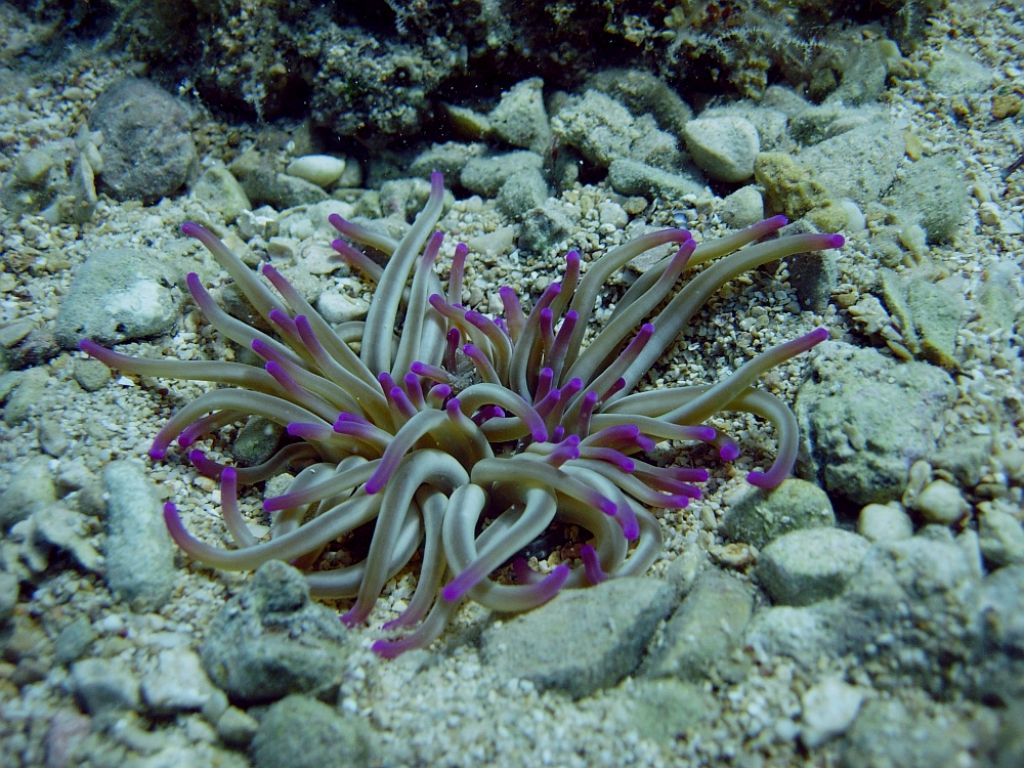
(511, 383)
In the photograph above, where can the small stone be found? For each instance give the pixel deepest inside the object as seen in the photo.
(941, 502)
(236, 727)
(301, 732)
(884, 522)
(61, 527)
(723, 147)
(218, 190)
(520, 117)
(178, 684)
(804, 567)
(31, 487)
(340, 307)
(27, 397)
(90, 374)
(743, 207)
(322, 170)
(136, 534)
(829, 708)
(1000, 535)
(73, 640)
(758, 516)
(102, 685)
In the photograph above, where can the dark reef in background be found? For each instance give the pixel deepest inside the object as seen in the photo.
(377, 70)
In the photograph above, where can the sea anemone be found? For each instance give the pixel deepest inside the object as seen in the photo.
(430, 427)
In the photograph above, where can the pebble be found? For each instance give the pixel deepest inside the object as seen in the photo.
(102, 685)
(301, 732)
(699, 638)
(723, 147)
(27, 395)
(271, 640)
(829, 708)
(619, 617)
(884, 522)
(941, 502)
(1000, 535)
(743, 207)
(31, 487)
(147, 151)
(322, 170)
(236, 727)
(757, 517)
(61, 527)
(803, 567)
(177, 684)
(136, 534)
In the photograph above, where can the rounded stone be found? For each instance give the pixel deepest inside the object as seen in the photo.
(884, 522)
(322, 170)
(804, 567)
(941, 502)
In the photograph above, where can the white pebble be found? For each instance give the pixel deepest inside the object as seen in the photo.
(322, 170)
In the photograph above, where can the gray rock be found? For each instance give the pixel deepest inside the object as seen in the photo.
(1000, 629)
(104, 685)
(177, 683)
(603, 130)
(264, 186)
(617, 618)
(803, 567)
(629, 177)
(487, 175)
(802, 633)
(699, 639)
(27, 395)
(850, 439)
(666, 709)
(31, 487)
(864, 74)
(829, 708)
(723, 147)
(449, 158)
(521, 119)
(257, 441)
(545, 227)
(62, 528)
(643, 92)
(8, 600)
(887, 734)
(859, 164)
(73, 640)
(884, 522)
(814, 276)
(117, 295)
(522, 192)
(236, 727)
(743, 207)
(90, 374)
(758, 516)
(955, 71)
(1001, 536)
(136, 534)
(147, 150)
(933, 193)
(271, 640)
(301, 732)
(218, 190)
